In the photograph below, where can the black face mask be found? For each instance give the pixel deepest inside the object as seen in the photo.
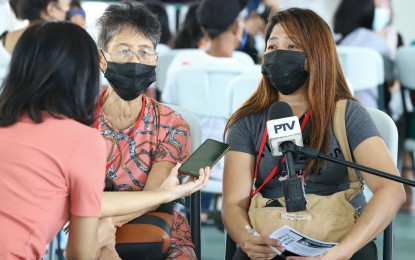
(130, 79)
(285, 70)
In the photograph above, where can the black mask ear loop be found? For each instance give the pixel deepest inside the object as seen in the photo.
(102, 53)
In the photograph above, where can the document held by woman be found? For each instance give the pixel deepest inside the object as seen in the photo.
(300, 244)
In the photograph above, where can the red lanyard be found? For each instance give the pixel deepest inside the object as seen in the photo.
(130, 136)
(261, 149)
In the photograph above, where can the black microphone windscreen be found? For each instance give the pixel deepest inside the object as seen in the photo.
(279, 110)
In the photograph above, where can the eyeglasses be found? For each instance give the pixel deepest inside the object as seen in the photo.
(125, 56)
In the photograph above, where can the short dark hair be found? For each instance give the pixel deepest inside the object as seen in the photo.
(352, 14)
(54, 68)
(128, 13)
(216, 16)
(29, 9)
(158, 9)
(190, 34)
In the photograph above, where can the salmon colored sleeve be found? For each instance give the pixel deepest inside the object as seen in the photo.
(86, 173)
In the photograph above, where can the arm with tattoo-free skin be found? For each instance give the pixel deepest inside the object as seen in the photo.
(387, 198)
(239, 168)
(159, 172)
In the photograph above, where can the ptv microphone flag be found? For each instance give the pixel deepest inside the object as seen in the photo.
(283, 130)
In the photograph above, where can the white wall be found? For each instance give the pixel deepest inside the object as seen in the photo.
(404, 19)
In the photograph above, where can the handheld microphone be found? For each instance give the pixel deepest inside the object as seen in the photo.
(284, 132)
(282, 126)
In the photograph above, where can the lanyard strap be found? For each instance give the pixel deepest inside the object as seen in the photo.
(130, 136)
(261, 149)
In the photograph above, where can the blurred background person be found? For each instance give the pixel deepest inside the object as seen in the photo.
(353, 23)
(190, 35)
(33, 11)
(8, 20)
(257, 12)
(159, 10)
(220, 24)
(76, 14)
(324, 8)
(382, 25)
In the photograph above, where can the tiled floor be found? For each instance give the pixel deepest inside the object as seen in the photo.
(213, 240)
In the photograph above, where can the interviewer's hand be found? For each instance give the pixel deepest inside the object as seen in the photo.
(106, 232)
(257, 247)
(106, 236)
(108, 253)
(177, 190)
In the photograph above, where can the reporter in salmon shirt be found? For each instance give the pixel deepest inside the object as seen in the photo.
(51, 160)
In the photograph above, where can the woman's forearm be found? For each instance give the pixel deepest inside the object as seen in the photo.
(235, 219)
(128, 202)
(379, 212)
(118, 221)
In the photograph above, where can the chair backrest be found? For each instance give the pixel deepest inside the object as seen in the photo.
(243, 57)
(389, 133)
(193, 123)
(241, 87)
(162, 65)
(195, 197)
(363, 67)
(167, 57)
(387, 130)
(405, 64)
(202, 88)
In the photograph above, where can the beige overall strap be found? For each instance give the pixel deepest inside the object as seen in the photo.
(339, 128)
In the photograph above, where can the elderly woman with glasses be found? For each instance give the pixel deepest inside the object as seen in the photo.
(144, 138)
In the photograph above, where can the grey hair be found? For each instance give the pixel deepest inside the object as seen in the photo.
(130, 13)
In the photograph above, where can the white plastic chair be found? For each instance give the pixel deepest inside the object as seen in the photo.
(363, 68)
(162, 65)
(202, 88)
(388, 131)
(405, 64)
(241, 87)
(167, 57)
(195, 197)
(191, 120)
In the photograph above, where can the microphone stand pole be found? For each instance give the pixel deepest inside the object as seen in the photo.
(314, 154)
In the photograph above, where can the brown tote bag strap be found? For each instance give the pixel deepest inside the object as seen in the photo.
(339, 128)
